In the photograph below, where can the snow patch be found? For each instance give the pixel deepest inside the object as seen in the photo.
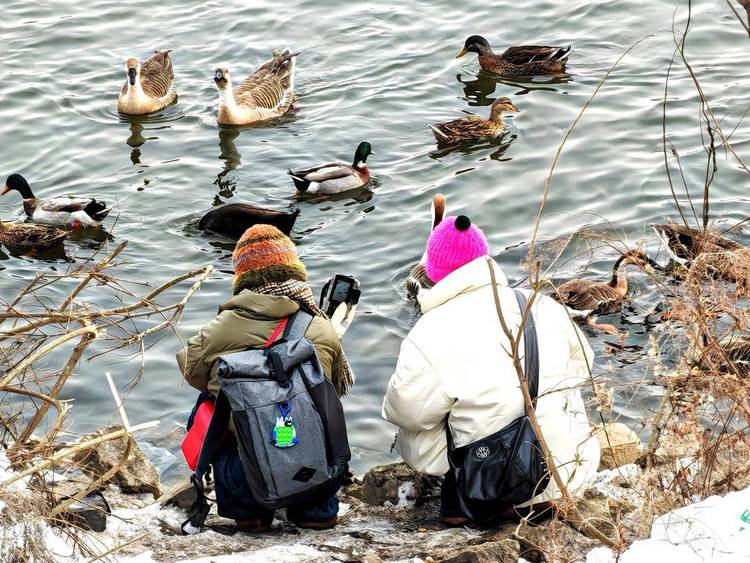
(716, 529)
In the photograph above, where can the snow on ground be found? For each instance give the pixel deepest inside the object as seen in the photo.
(716, 529)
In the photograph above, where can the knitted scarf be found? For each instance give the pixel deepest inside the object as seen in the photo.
(301, 293)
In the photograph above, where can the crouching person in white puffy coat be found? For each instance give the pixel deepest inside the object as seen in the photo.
(454, 365)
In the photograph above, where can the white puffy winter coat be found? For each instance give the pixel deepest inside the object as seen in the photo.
(454, 363)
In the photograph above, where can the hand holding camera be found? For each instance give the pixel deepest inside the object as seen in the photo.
(339, 299)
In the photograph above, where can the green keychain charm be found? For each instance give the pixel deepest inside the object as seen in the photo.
(284, 432)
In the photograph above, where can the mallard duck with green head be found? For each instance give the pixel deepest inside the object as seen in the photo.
(335, 177)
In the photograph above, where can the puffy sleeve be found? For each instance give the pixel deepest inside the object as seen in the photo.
(416, 402)
(191, 362)
(581, 354)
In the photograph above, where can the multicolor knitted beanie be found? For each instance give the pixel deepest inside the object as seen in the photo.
(454, 243)
(265, 255)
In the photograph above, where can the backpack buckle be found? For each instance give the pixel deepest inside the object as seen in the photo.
(276, 367)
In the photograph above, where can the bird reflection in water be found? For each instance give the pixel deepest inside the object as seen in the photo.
(479, 90)
(498, 146)
(228, 149)
(136, 139)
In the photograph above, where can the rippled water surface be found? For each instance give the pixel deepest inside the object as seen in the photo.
(376, 71)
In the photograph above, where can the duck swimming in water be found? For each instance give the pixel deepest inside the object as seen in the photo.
(265, 94)
(148, 86)
(473, 127)
(526, 60)
(62, 210)
(417, 278)
(233, 219)
(335, 177)
(588, 298)
(23, 236)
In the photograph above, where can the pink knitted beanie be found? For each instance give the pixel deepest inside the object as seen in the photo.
(454, 243)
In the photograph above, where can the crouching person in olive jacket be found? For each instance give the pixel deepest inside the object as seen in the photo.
(269, 286)
(454, 368)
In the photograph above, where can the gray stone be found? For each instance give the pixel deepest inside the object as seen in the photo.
(619, 445)
(397, 484)
(89, 513)
(503, 551)
(137, 475)
(181, 495)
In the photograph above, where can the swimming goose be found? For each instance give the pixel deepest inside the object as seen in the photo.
(62, 210)
(265, 94)
(335, 177)
(526, 60)
(588, 298)
(148, 86)
(417, 278)
(233, 219)
(24, 236)
(473, 127)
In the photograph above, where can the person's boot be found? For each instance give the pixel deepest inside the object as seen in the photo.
(321, 516)
(315, 524)
(255, 525)
(455, 521)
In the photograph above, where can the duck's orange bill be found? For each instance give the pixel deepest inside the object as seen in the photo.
(6, 189)
(462, 52)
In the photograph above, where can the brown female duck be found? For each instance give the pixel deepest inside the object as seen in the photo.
(527, 60)
(588, 298)
(25, 236)
(148, 87)
(473, 127)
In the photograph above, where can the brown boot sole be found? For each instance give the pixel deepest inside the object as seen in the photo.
(317, 525)
(253, 527)
(455, 521)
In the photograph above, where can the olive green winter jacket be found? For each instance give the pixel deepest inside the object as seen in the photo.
(247, 320)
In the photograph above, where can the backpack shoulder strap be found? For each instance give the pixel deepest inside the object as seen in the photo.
(214, 435)
(530, 347)
(297, 325)
(198, 512)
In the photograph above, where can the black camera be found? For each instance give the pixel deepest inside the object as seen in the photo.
(337, 290)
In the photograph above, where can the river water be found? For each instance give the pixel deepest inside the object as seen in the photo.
(375, 71)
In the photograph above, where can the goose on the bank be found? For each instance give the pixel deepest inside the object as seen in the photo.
(335, 177)
(233, 219)
(687, 243)
(746, 5)
(417, 278)
(265, 94)
(588, 298)
(525, 60)
(708, 254)
(62, 210)
(25, 236)
(474, 127)
(148, 86)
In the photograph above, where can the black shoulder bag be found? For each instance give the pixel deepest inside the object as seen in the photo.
(508, 467)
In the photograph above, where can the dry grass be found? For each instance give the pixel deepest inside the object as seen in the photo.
(45, 331)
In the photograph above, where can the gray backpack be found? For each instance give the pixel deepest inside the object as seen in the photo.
(288, 419)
